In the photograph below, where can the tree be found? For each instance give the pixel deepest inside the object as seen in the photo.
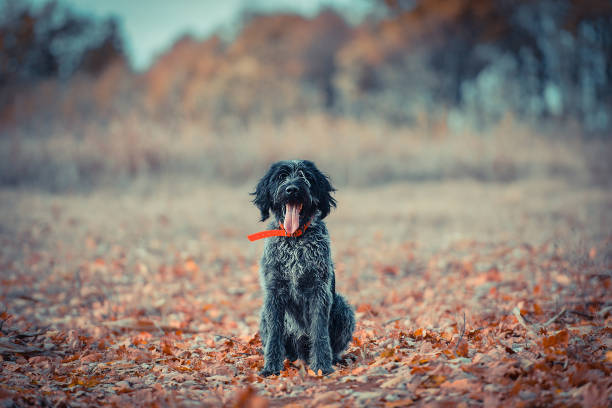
(53, 42)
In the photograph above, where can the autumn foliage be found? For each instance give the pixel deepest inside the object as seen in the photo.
(538, 60)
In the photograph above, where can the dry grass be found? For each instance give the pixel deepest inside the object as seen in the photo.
(183, 213)
(355, 153)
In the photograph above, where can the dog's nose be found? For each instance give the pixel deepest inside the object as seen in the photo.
(291, 189)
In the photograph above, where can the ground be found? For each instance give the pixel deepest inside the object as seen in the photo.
(466, 293)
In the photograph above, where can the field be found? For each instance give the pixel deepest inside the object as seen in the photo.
(469, 142)
(470, 288)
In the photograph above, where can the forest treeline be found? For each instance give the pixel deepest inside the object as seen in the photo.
(465, 60)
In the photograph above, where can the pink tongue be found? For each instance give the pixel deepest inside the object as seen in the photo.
(292, 218)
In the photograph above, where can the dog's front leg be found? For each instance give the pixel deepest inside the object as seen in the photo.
(273, 317)
(321, 353)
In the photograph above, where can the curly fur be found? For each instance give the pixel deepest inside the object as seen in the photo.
(302, 316)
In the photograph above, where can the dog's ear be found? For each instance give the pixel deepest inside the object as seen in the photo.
(262, 198)
(323, 190)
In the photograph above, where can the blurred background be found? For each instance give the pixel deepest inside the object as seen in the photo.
(99, 93)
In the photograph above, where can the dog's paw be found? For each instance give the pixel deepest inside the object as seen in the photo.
(325, 369)
(266, 372)
(339, 361)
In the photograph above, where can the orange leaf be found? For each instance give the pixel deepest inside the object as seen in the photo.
(399, 403)
(462, 349)
(390, 270)
(365, 308)
(87, 382)
(167, 348)
(249, 398)
(537, 309)
(71, 358)
(191, 266)
(420, 369)
(559, 339)
(183, 369)
(90, 358)
(462, 384)
(437, 379)
(357, 341)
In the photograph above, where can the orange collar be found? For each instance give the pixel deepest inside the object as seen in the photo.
(278, 232)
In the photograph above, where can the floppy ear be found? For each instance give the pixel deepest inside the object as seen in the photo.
(324, 190)
(262, 198)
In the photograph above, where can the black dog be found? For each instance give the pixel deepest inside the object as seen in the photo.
(302, 316)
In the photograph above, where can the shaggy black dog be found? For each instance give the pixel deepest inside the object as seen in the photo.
(302, 316)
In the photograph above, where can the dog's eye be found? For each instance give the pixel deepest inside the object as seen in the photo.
(305, 177)
(281, 176)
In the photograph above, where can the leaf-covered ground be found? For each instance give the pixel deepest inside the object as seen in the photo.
(466, 294)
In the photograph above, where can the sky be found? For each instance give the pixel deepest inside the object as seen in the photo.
(151, 26)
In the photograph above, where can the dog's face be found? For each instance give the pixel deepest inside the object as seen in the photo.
(294, 190)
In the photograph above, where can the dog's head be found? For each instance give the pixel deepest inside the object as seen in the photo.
(294, 190)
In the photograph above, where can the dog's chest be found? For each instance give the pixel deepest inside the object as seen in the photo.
(298, 265)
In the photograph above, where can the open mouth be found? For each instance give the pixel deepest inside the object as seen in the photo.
(292, 217)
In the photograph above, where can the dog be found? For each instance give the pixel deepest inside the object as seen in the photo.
(302, 316)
